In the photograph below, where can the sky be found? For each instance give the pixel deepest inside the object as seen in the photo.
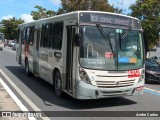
(22, 8)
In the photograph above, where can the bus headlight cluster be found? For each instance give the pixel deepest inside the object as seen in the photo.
(142, 77)
(84, 76)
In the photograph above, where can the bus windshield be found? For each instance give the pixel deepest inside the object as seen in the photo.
(96, 53)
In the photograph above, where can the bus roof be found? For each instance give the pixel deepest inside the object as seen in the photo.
(76, 14)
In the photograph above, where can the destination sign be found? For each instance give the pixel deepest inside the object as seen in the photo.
(111, 19)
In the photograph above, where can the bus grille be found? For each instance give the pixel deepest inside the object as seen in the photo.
(112, 84)
(116, 93)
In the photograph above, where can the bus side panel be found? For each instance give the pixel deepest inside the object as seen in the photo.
(43, 64)
(19, 47)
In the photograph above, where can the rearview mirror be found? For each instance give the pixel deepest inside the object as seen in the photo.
(77, 40)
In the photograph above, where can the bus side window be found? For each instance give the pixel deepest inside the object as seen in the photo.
(31, 35)
(23, 35)
(21, 39)
(42, 35)
(18, 35)
(27, 34)
(46, 35)
(57, 35)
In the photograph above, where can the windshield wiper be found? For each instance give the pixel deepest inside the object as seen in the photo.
(107, 39)
(126, 33)
(123, 36)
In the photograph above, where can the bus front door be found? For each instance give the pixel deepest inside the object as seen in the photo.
(69, 60)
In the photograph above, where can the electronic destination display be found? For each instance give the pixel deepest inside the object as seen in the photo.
(109, 19)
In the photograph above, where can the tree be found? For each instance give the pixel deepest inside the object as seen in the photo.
(148, 11)
(42, 13)
(10, 27)
(97, 5)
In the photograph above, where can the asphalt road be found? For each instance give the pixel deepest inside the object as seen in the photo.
(41, 94)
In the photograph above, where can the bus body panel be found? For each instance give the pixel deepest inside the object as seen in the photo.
(103, 85)
(85, 91)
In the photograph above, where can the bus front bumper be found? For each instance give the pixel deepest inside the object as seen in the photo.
(86, 91)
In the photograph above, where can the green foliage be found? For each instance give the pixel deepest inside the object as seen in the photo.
(148, 11)
(10, 27)
(96, 5)
(42, 13)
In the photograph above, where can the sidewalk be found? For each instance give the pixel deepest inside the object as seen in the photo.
(8, 104)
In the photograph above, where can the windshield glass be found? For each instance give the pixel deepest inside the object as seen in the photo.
(96, 53)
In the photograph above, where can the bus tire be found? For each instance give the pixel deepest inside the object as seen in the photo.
(58, 84)
(27, 68)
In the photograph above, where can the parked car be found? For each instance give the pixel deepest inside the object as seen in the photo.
(14, 46)
(156, 58)
(11, 43)
(152, 71)
(1, 45)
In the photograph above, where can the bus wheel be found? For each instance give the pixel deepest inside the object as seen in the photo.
(27, 68)
(58, 84)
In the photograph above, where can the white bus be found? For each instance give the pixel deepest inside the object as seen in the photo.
(86, 54)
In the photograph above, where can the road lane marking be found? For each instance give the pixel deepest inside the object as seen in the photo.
(35, 108)
(15, 98)
(152, 91)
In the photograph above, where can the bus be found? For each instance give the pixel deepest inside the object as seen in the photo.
(1, 41)
(86, 54)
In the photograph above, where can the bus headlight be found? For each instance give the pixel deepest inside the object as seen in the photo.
(84, 76)
(142, 76)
